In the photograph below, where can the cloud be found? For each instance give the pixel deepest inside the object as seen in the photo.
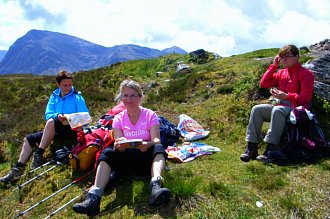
(18, 17)
(34, 11)
(297, 28)
(223, 26)
(13, 25)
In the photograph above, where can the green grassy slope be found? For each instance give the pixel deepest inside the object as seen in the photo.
(215, 186)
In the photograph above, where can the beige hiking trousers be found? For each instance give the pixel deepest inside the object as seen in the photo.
(276, 115)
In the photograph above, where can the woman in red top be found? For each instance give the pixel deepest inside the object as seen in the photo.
(291, 86)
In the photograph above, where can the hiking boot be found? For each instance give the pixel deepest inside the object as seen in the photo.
(158, 194)
(265, 155)
(250, 153)
(13, 175)
(90, 206)
(36, 161)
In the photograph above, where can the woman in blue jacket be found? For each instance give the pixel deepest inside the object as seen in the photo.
(64, 100)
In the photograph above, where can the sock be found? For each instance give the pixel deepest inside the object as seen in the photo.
(19, 164)
(96, 191)
(40, 151)
(155, 178)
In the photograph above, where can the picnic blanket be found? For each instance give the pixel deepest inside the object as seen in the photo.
(189, 151)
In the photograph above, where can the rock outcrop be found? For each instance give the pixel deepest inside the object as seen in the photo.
(321, 68)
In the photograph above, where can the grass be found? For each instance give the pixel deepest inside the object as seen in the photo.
(214, 186)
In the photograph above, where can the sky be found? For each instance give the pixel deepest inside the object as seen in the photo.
(225, 27)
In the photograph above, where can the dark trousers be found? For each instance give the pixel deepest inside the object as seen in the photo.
(132, 160)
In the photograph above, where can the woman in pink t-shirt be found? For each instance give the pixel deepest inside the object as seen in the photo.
(144, 156)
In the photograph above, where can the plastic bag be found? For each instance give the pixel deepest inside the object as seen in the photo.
(190, 129)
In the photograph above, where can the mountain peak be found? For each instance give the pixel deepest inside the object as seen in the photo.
(174, 49)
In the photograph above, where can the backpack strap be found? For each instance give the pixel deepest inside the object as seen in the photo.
(74, 161)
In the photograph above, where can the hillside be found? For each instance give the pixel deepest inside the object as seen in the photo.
(219, 95)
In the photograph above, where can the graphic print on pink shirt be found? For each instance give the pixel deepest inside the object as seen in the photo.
(141, 130)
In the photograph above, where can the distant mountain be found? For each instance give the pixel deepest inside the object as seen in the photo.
(174, 49)
(2, 54)
(45, 52)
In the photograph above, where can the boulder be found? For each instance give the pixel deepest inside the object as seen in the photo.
(199, 56)
(321, 68)
(182, 68)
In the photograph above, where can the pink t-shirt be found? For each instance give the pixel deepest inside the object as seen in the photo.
(141, 130)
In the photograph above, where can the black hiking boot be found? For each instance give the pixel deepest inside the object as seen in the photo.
(250, 153)
(158, 195)
(90, 206)
(36, 161)
(265, 155)
(14, 175)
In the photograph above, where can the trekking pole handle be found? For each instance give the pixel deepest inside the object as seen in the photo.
(82, 177)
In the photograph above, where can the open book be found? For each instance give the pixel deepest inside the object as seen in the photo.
(131, 143)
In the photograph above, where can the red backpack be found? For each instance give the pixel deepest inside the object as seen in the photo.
(83, 154)
(89, 146)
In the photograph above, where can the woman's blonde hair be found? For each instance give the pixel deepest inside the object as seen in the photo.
(130, 84)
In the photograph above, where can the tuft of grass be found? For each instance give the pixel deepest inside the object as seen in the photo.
(188, 185)
(220, 190)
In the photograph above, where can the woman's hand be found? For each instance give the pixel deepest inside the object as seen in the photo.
(277, 60)
(278, 94)
(120, 147)
(63, 119)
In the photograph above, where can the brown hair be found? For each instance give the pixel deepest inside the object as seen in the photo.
(63, 75)
(288, 49)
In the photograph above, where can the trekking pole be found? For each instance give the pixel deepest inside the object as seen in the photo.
(58, 191)
(43, 165)
(37, 176)
(66, 204)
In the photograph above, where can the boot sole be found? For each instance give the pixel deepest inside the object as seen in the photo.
(247, 159)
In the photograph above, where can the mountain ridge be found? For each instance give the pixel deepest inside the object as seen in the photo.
(45, 52)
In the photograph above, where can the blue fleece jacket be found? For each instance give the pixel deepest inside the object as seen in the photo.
(71, 103)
